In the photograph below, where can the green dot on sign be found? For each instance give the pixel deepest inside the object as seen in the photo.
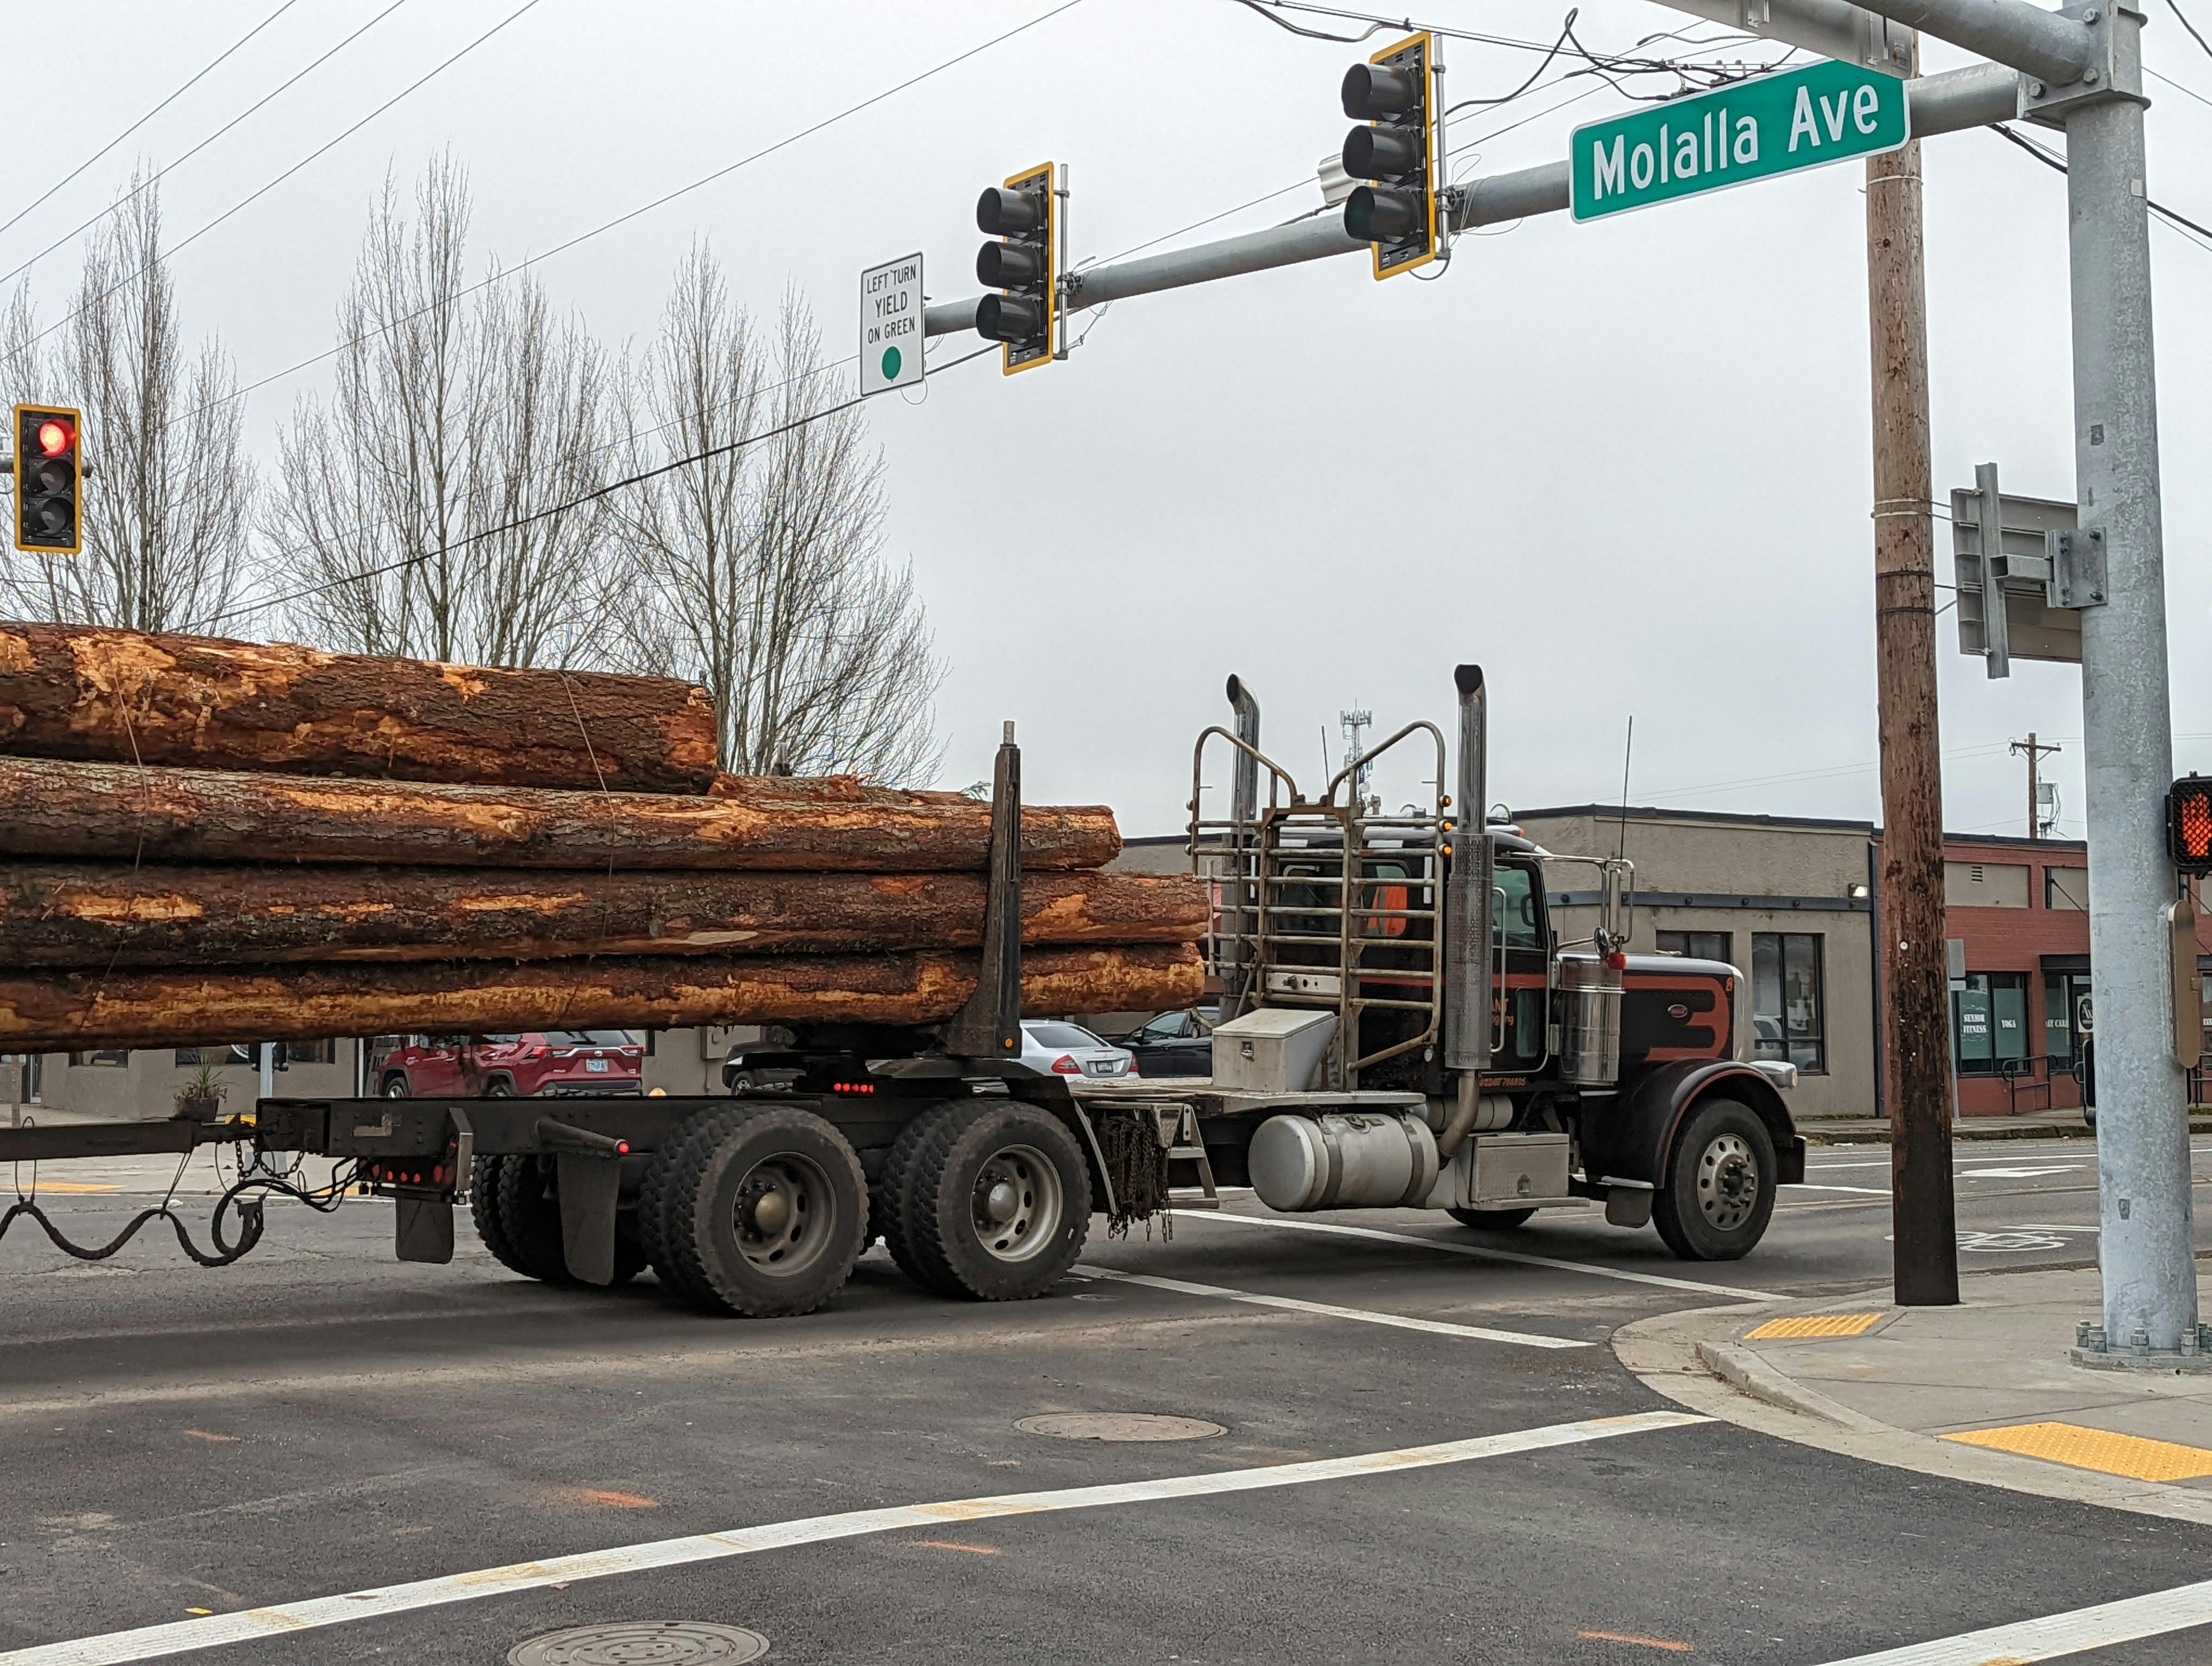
(891, 364)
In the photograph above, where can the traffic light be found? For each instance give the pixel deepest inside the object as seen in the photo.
(1393, 94)
(49, 450)
(1023, 215)
(2189, 824)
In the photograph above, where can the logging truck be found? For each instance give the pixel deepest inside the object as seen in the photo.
(1403, 1026)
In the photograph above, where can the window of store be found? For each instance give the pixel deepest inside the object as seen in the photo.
(105, 1055)
(2062, 994)
(1989, 1023)
(1787, 1019)
(1699, 946)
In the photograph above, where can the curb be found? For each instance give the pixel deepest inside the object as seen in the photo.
(1877, 1132)
(1692, 1359)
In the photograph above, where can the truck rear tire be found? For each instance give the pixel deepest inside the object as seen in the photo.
(1720, 1183)
(765, 1216)
(483, 1210)
(653, 1195)
(1496, 1220)
(530, 1218)
(992, 1201)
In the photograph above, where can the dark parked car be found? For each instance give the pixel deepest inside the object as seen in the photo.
(1175, 1044)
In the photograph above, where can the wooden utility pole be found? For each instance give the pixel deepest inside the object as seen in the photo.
(1916, 1026)
(2034, 802)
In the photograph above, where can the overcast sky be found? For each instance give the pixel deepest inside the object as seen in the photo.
(1623, 465)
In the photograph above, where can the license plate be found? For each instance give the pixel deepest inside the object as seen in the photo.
(595, 1064)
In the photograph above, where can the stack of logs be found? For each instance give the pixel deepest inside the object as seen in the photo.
(204, 842)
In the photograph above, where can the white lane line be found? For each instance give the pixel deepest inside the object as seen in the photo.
(285, 1619)
(2019, 1174)
(1330, 1310)
(1861, 1191)
(1479, 1253)
(2057, 1635)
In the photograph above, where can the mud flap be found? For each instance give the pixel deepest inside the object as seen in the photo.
(423, 1228)
(590, 1187)
(1627, 1205)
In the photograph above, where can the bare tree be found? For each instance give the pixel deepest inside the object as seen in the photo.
(425, 506)
(165, 514)
(758, 571)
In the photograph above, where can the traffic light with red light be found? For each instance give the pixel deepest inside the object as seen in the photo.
(2189, 824)
(1023, 215)
(1395, 94)
(49, 456)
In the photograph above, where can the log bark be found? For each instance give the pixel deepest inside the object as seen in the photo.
(78, 811)
(200, 1007)
(125, 696)
(97, 916)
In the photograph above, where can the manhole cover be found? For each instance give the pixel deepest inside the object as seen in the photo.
(642, 1643)
(1119, 1426)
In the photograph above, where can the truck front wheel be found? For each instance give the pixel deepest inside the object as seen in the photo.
(1720, 1185)
(989, 1201)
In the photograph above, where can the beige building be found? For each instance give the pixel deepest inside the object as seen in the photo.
(110, 1084)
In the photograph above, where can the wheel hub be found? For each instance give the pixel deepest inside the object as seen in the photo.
(775, 1213)
(1727, 1183)
(1017, 1204)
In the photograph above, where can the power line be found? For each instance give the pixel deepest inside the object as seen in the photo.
(2057, 164)
(2186, 91)
(176, 249)
(204, 143)
(212, 63)
(2182, 17)
(578, 501)
(622, 219)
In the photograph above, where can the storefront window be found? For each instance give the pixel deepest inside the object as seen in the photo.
(1786, 1015)
(1989, 1023)
(1699, 946)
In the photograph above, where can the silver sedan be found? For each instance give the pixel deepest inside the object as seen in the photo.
(1053, 1049)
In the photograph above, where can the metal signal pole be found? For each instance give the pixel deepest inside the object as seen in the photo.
(1915, 1022)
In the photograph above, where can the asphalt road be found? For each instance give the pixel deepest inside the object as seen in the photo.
(321, 1420)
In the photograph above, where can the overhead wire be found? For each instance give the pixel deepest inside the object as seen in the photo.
(581, 498)
(9, 224)
(169, 168)
(506, 272)
(2057, 164)
(2182, 17)
(244, 201)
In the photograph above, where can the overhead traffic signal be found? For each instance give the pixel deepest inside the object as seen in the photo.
(1395, 94)
(48, 466)
(1024, 215)
(2189, 824)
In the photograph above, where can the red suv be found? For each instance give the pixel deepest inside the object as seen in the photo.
(534, 1063)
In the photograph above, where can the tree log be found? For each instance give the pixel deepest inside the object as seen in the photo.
(199, 1007)
(126, 696)
(82, 812)
(65, 914)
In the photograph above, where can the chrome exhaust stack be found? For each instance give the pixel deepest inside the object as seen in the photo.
(1244, 833)
(1467, 995)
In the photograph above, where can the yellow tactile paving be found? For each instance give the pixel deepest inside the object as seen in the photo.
(2132, 1455)
(1818, 1324)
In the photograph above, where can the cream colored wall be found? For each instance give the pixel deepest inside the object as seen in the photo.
(1747, 859)
(145, 1089)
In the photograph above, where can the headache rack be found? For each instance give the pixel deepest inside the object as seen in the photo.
(1329, 904)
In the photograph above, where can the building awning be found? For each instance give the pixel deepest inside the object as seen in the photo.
(2065, 963)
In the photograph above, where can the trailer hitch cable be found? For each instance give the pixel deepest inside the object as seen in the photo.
(245, 1197)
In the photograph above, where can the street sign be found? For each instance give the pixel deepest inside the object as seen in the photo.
(1746, 131)
(891, 324)
(2041, 564)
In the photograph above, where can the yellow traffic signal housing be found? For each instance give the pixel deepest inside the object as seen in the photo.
(1023, 215)
(49, 469)
(1394, 94)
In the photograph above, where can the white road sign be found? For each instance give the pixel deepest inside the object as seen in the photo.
(891, 324)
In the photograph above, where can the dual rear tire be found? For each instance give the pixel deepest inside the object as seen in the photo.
(986, 1201)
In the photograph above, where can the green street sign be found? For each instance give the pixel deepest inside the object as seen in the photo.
(1746, 131)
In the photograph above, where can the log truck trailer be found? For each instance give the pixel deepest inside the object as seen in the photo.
(1403, 1028)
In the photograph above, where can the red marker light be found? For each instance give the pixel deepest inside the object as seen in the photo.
(55, 437)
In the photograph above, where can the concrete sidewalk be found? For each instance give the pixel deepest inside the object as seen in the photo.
(2041, 1125)
(1982, 1392)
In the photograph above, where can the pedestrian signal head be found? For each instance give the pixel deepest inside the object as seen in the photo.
(1396, 94)
(2189, 824)
(48, 469)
